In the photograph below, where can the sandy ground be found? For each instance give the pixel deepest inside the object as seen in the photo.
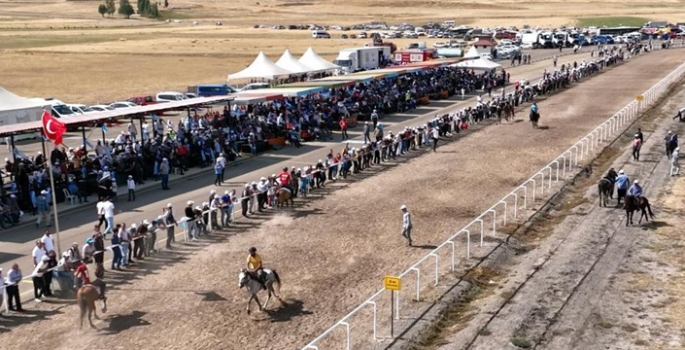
(349, 238)
(593, 283)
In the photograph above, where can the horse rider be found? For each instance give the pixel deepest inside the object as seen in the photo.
(622, 183)
(254, 266)
(284, 178)
(82, 278)
(635, 190)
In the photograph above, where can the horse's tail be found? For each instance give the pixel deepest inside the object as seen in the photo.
(277, 277)
(649, 210)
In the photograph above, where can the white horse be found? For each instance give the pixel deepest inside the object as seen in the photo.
(253, 287)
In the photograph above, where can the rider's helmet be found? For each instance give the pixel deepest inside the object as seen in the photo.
(285, 168)
(253, 250)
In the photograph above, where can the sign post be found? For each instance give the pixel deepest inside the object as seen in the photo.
(392, 284)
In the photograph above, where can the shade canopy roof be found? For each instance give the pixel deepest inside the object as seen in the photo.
(12, 102)
(472, 53)
(262, 67)
(480, 63)
(312, 60)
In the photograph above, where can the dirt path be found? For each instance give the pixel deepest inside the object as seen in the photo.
(349, 238)
(584, 286)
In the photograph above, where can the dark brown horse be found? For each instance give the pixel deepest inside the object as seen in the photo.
(605, 187)
(637, 203)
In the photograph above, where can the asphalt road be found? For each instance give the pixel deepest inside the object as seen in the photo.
(16, 244)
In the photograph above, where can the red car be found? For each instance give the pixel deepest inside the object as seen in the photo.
(142, 100)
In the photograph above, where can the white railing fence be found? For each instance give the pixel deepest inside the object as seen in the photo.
(425, 275)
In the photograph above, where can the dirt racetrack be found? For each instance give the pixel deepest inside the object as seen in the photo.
(331, 253)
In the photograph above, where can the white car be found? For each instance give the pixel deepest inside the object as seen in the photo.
(526, 46)
(102, 108)
(190, 95)
(81, 109)
(123, 104)
(255, 86)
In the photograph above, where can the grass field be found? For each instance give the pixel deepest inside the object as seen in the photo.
(65, 49)
(612, 21)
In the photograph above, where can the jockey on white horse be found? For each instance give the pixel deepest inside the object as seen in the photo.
(254, 266)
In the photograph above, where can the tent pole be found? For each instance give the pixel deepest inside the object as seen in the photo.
(42, 144)
(83, 133)
(14, 153)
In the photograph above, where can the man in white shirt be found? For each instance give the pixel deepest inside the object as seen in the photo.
(38, 253)
(48, 244)
(131, 184)
(108, 212)
(38, 281)
(221, 160)
(406, 224)
(436, 137)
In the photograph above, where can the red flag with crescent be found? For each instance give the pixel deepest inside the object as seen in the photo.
(53, 128)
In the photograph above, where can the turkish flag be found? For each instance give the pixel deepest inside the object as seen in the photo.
(53, 128)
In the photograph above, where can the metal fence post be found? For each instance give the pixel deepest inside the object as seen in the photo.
(453, 254)
(504, 221)
(437, 267)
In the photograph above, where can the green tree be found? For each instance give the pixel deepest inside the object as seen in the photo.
(102, 10)
(111, 7)
(143, 7)
(153, 12)
(125, 8)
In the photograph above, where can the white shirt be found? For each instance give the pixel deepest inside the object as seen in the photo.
(38, 267)
(108, 209)
(47, 243)
(131, 185)
(436, 133)
(37, 254)
(99, 208)
(406, 220)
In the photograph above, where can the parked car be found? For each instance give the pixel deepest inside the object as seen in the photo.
(81, 109)
(255, 86)
(167, 96)
(344, 36)
(320, 34)
(142, 100)
(122, 104)
(362, 35)
(102, 108)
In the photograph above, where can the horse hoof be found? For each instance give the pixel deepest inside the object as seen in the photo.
(249, 312)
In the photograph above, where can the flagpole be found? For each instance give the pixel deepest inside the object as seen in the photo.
(54, 207)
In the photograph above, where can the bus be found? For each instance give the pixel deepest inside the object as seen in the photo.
(617, 30)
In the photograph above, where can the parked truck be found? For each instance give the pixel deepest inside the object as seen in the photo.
(363, 58)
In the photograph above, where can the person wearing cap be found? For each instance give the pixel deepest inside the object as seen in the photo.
(221, 159)
(43, 209)
(374, 119)
(226, 204)
(141, 236)
(367, 132)
(124, 244)
(37, 277)
(675, 167)
(406, 224)
(622, 184)
(637, 144)
(263, 195)
(200, 224)
(164, 173)
(253, 197)
(635, 190)
(191, 229)
(245, 199)
(131, 185)
(74, 254)
(254, 266)
(88, 250)
(170, 224)
(320, 169)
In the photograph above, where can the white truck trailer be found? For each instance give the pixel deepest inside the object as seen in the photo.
(363, 58)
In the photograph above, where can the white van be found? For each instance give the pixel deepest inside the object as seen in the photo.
(81, 109)
(168, 96)
(320, 34)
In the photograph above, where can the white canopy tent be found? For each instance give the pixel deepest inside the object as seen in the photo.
(317, 63)
(479, 64)
(16, 110)
(289, 62)
(262, 67)
(472, 53)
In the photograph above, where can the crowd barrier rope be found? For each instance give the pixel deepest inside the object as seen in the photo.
(530, 190)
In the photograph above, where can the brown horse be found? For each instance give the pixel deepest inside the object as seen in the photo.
(508, 111)
(634, 203)
(86, 297)
(284, 196)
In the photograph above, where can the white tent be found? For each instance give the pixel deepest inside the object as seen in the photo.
(289, 62)
(15, 109)
(479, 64)
(317, 63)
(261, 67)
(472, 53)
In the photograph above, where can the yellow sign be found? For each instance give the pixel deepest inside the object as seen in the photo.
(639, 97)
(393, 283)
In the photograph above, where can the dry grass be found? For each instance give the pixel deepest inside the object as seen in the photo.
(79, 49)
